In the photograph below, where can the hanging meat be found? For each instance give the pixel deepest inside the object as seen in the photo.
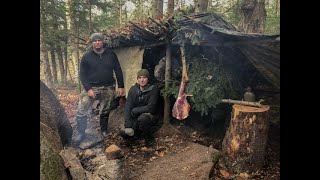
(181, 107)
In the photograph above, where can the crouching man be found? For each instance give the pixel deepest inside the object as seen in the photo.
(142, 110)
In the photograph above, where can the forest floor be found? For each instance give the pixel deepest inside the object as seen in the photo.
(139, 157)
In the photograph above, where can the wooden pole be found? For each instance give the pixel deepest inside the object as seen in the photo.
(246, 138)
(167, 111)
(184, 64)
(257, 104)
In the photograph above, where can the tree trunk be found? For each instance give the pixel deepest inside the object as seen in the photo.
(46, 64)
(126, 14)
(90, 17)
(170, 7)
(72, 67)
(252, 16)
(65, 48)
(277, 8)
(61, 66)
(182, 3)
(157, 9)
(74, 41)
(246, 138)
(54, 65)
(66, 65)
(166, 116)
(201, 6)
(54, 33)
(120, 14)
(43, 44)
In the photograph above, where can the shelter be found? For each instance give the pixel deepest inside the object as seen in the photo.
(249, 57)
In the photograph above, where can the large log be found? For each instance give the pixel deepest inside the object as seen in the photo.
(55, 132)
(245, 141)
(53, 115)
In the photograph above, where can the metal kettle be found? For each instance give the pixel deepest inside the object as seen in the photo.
(249, 95)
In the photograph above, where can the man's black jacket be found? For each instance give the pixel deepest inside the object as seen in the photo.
(146, 101)
(97, 70)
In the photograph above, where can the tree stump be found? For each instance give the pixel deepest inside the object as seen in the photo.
(245, 141)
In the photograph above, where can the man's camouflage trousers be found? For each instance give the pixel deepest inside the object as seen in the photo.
(105, 95)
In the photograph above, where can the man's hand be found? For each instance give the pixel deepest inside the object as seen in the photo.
(91, 93)
(134, 112)
(120, 91)
(129, 131)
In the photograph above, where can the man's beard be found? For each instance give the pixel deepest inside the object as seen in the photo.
(98, 50)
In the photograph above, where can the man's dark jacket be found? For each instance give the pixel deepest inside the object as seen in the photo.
(97, 70)
(146, 101)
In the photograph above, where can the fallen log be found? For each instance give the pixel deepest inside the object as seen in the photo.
(72, 162)
(55, 133)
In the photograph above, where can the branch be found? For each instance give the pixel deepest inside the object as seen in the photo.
(163, 27)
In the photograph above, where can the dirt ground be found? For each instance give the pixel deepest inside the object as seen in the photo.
(173, 139)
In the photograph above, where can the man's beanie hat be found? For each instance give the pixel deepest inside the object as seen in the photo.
(143, 72)
(96, 36)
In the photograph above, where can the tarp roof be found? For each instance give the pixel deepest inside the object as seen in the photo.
(208, 29)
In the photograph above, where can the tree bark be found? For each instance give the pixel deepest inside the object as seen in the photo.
(182, 3)
(74, 40)
(61, 66)
(245, 141)
(120, 13)
(157, 9)
(47, 70)
(55, 133)
(90, 17)
(252, 16)
(65, 49)
(70, 156)
(43, 44)
(277, 8)
(66, 64)
(170, 7)
(54, 65)
(201, 6)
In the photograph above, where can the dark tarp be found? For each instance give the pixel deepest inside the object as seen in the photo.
(214, 35)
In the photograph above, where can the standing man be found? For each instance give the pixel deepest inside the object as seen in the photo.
(96, 75)
(142, 110)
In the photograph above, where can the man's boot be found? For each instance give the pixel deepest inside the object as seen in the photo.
(104, 124)
(81, 128)
(145, 124)
(149, 140)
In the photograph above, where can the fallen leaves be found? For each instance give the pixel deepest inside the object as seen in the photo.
(244, 175)
(139, 156)
(225, 173)
(68, 99)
